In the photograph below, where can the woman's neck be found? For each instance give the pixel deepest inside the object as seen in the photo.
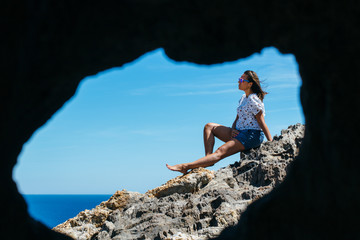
(248, 92)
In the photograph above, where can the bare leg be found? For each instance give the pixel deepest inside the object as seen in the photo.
(212, 130)
(231, 147)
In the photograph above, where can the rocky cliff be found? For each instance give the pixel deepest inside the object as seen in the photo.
(197, 205)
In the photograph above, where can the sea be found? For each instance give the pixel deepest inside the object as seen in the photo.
(52, 210)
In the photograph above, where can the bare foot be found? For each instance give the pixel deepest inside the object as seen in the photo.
(179, 168)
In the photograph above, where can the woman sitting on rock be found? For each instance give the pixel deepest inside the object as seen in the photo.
(247, 130)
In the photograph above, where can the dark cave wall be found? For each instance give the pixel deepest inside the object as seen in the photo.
(48, 47)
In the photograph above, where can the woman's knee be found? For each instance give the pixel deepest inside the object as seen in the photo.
(210, 126)
(220, 153)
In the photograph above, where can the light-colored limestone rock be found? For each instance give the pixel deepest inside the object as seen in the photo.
(198, 205)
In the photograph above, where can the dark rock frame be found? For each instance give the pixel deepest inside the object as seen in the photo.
(48, 47)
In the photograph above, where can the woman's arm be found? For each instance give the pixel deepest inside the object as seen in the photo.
(234, 124)
(261, 120)
(234, 132)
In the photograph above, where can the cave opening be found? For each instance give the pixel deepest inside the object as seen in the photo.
(124, 124)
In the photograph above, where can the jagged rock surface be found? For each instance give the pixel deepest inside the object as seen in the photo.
(197, 205)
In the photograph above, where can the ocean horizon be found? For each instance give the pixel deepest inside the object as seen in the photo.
(54, 209)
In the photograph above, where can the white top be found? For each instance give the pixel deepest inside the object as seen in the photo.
(248, 108)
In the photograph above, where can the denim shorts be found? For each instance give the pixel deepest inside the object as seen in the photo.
(250, 138)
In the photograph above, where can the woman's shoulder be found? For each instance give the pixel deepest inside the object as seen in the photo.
(254, 97)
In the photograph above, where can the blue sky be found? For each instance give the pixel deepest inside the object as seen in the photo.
(124, 124)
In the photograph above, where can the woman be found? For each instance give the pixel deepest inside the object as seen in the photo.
(247, 130)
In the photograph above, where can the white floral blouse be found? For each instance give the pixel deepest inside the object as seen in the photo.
(248, 108)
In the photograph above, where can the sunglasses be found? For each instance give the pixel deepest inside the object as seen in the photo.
(241, 80)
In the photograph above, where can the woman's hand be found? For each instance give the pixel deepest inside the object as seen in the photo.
(234, 133)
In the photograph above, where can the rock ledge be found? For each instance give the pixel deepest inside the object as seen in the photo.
(198, 205)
